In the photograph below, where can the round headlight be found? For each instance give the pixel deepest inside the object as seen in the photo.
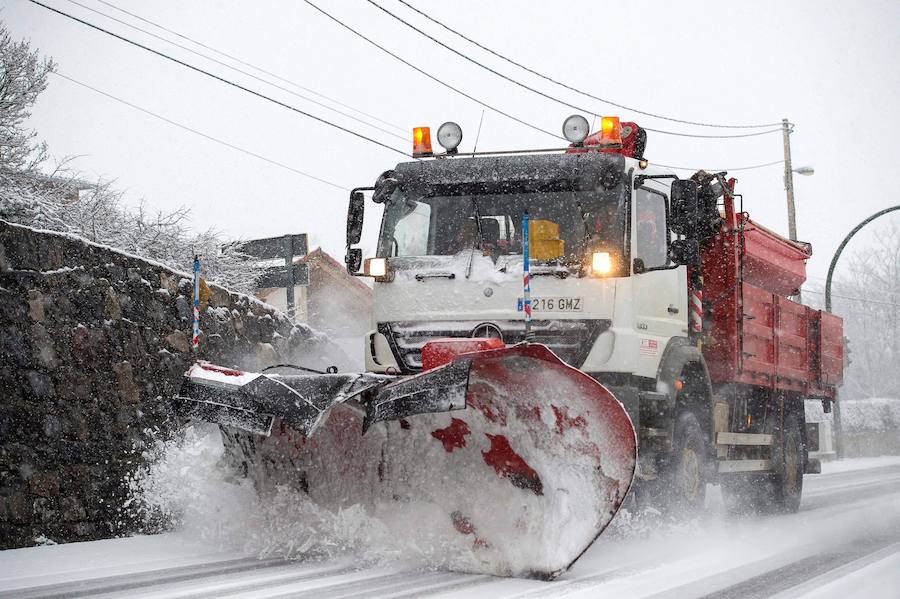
(576, 128)
(449, 135)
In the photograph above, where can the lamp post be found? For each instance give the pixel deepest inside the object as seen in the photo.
(838, 428)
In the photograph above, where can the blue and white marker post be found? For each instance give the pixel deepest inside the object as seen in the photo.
(526, 280)
(195, 339)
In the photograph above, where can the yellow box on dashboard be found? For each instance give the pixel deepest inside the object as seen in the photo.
(544, 241)
(540, 230)
(546, 249)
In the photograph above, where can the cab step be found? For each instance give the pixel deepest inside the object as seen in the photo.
(743, 439)
(731, 466)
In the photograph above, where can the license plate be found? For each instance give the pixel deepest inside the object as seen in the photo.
(553, 304)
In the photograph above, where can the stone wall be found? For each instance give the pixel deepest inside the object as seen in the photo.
(93, 342)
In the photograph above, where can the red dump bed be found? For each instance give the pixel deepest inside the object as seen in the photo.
(757, 335)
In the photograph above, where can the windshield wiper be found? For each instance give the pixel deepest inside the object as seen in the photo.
(588, 234)
(478, 242)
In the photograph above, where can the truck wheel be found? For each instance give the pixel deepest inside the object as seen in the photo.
(688, 468)
(788, 487)
(774, 492)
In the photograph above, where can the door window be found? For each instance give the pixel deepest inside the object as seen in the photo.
(411, 231)
(651, 234)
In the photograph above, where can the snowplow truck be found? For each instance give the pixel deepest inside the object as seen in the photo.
(549, 327)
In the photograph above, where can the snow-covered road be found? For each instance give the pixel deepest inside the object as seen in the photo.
(845, 542)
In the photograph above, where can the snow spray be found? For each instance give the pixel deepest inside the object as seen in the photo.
(526, 280)
(195, 338)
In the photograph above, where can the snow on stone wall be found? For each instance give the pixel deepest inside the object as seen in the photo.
(93, 342)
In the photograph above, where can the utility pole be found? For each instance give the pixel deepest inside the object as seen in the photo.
(789, 186)
(789, 179)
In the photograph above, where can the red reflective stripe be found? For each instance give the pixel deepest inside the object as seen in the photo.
(697, 311)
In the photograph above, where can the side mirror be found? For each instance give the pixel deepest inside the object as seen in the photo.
(685, 252)
(384, 189)
(638, 266)
(683, 208)
(353, 259)
(355, 217)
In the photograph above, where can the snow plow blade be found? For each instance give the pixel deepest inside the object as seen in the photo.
(514, 461)
(251, 402)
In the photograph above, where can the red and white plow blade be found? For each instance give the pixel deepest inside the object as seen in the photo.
(524, 478)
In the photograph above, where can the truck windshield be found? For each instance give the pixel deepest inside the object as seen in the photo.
(564, 224)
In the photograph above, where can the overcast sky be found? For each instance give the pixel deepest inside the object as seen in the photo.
(830, 67)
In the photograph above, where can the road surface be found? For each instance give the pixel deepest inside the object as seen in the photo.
(844, 542)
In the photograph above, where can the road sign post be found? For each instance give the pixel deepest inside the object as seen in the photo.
(290, 275)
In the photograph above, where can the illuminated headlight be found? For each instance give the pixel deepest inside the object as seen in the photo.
(601, 263)
(449, 135)
(576, 128)
(376, 267)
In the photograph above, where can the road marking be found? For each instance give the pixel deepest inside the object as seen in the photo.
(885, 553)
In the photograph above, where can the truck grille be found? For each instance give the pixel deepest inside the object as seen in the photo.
(571, 340)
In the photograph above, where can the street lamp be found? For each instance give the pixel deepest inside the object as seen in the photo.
(806, 171)
(838, 429)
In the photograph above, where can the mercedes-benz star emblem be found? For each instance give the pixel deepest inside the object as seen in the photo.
(488, 330)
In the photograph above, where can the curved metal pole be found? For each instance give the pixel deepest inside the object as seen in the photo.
(837, 254)
(838, 428)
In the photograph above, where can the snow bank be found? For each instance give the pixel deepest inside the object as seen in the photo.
(188, 485)
(856, 464)
(875, 414)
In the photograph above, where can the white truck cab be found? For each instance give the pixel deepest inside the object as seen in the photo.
(451, 244)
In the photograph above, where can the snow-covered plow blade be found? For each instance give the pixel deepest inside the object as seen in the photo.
(508, 456)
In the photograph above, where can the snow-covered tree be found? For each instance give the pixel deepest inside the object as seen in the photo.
(23, 76)
(60, 199)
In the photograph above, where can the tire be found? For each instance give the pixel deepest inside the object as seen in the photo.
(788, 479)
(777, 492)
(689, 465)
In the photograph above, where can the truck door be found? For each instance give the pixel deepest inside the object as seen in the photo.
(660, 296)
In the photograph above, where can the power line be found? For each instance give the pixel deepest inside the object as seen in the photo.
(574, 89)
(554, 98)
(875, 291)
(222, 79)
(719, 170)
(429, 75)
(200, 133)
(858, 299)
(859, 272)
(251, 65)
(701, 136)
(237, 70)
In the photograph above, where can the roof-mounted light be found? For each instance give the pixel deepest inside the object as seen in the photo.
(449, 135)
(576, 129)
(610, 131)
(422, 142)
